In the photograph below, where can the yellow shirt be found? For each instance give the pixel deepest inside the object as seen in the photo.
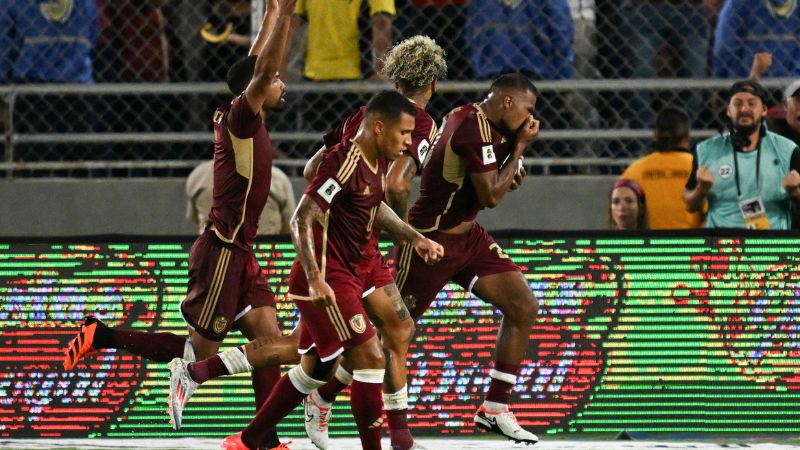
(333, 35)
(663, 177)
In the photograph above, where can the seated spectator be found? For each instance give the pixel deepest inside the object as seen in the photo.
(275, 216)
(44, 42)
(627, 209)
(663, 173)
(534, 38)
(749, 176)
(746, 27)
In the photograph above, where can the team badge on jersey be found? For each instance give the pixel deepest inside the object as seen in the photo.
(219, 324)
(358, 324)
(423, 149)
(725, 171)
(488, 154)
(329, 189)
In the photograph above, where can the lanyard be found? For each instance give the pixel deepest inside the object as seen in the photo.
(758, 168)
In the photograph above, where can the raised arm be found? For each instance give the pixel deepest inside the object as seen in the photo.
(402, 233)
(307, 212)
(491, 186)
(270, 57)
(267, 25)
(381, 40)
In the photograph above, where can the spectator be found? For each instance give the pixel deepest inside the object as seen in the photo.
(585, 29)
(664, 172)
(627, 209)
(47, 41)
(678, 29)
(332, 49)
(274, 218)
(746, 27)
(534, 38)
(133, 41)
(750, 175)
(783, 120)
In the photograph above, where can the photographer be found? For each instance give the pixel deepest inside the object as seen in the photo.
(740, 172)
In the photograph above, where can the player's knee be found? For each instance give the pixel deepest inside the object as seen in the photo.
(399, 336)
(373, 355)
(523, 309)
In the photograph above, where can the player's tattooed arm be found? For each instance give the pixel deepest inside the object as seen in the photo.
(398, 184)
(389, 222)
(308, 211)
(403, 233)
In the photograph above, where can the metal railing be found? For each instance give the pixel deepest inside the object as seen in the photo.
(12, 162)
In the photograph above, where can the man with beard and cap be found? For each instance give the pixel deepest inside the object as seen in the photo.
(749, 176)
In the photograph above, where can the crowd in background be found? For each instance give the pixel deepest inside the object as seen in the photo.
(109, 41)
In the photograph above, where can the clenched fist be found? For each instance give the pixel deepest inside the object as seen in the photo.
(705, 178)
(791, 183)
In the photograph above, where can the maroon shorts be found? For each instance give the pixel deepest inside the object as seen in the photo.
(467, 257)
(378, 275)
(225, 282)
(334, 329)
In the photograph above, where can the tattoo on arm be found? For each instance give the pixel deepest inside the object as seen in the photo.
(307, 212)
(398, 196)
(390, 223)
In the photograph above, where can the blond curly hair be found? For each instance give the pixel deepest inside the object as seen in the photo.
(417, 60)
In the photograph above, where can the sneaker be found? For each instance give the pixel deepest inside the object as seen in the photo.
(181, 388)
(317, 418)
(504, 423)
(81, 346)
(234, 442)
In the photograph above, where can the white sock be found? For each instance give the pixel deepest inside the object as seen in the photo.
(396, 400)
(235, 360)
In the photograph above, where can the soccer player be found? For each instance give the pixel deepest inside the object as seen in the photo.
(474, 161)
(227, 288)
(333, 230)
(415, 65)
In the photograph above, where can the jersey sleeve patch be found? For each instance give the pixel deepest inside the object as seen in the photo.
(422, 151)
(329, 189)
(489, 157)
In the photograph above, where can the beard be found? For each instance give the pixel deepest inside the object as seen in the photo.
(740, 134)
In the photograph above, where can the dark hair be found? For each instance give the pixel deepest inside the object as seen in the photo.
(749, 86)
(240, 73)
(514, 82)
(671, 127)
(389, 105)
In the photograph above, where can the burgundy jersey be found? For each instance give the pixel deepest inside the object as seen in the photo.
(421, 137)
(466, 143)
(242, 172)
(350, 192)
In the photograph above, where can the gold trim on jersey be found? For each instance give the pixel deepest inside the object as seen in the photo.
(243, 157)
(349, 165)
(483, 125)
(306, 298)
(216, 287)
(403, 265)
